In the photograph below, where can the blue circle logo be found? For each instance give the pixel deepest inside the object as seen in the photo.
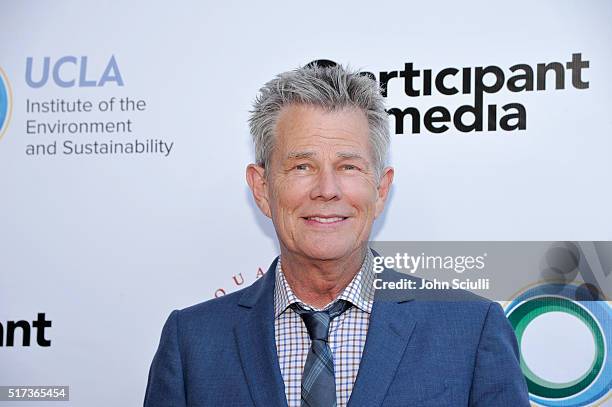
(5, 103)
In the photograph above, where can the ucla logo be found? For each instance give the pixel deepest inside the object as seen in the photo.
(70, 71)
(6, 103)
(564, 344)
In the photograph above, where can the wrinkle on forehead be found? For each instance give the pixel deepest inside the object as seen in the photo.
(325, 124)
(304, 131)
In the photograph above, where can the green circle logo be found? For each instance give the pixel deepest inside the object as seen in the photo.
(589, 387)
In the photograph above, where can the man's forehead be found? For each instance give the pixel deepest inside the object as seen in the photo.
(311, 120)
(309, 132)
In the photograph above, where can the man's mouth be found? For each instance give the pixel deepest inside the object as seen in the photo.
(326, 219)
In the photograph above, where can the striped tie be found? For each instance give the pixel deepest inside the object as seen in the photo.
(318, 380)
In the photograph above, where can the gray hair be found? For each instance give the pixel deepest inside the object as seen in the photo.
(329, 87)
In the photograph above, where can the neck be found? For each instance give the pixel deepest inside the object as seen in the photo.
(319, 282)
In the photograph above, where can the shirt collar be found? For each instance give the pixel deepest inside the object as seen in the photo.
(359, 292)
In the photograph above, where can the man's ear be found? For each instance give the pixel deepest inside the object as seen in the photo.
(259, 187)
(383, 190)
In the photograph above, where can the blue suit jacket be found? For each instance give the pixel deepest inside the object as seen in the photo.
(418, 353)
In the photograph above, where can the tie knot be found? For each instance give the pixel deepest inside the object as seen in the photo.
(317, 322)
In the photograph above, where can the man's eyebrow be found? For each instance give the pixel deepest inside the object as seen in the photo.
(300, 154)
(310, 154)
(350, 155)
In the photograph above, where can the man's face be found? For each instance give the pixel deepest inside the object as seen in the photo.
(320, 190)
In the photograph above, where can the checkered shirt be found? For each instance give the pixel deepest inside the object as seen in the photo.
(347, 333)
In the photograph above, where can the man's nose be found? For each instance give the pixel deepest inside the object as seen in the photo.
(326, 185)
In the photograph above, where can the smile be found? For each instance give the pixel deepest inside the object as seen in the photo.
(325, 220)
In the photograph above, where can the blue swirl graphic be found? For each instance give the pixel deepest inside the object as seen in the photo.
(4, 101)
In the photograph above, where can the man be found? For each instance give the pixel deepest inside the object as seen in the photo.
(312, 331)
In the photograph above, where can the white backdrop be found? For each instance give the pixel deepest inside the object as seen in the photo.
(106, 245)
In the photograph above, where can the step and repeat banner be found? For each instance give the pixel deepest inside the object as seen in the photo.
(124, 142)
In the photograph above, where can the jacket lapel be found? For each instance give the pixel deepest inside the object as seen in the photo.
(256, 344)
(384, 348)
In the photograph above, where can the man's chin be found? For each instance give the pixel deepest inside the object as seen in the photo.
(323, 253)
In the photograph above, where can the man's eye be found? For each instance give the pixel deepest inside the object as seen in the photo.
(349, 167)
(302, 167)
